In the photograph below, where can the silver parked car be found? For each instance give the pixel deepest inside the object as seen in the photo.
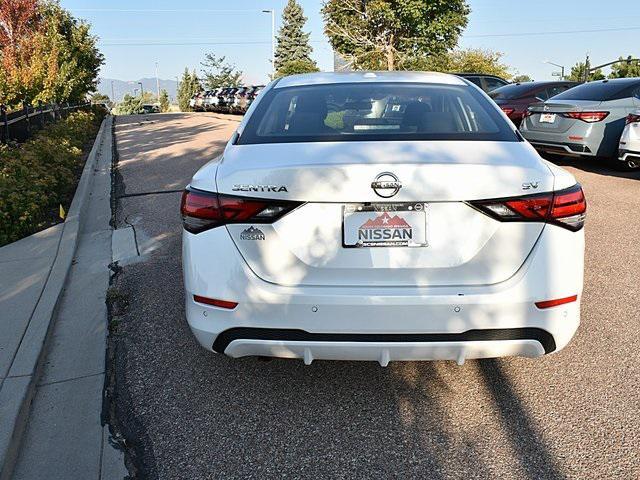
(586, 120)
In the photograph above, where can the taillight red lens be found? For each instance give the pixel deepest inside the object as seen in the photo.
(589, 117)
(205, 210)
(633, 118)
(507, 110)
(566, 208)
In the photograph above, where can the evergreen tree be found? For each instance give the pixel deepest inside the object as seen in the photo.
(292, 42)
(577, 74)
(219, 73)
(189, 86)
(625, 69)
(164, 100)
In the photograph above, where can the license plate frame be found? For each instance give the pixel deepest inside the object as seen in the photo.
(548, 118)
(409, 214)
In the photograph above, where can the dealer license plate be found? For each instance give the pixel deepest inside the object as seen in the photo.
(548, 118)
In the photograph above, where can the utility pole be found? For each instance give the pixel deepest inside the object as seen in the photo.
(141, 90)
(157, 82)
(273, 40)
(586, 69)
(113, 97)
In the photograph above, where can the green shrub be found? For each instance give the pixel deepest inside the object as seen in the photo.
(41, 174)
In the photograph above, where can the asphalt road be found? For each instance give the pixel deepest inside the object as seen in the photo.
(187, 413)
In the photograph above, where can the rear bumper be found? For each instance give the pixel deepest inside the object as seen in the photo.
(626, 155)
(375, 323)
(384, 352)
(568, 149)
(580, 140)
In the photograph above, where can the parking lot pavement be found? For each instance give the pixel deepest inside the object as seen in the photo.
(187, 413)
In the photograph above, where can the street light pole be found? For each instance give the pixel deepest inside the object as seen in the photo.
(273, 40)
(157, 83)
(561, 67)
(113, 97)
(141, 90)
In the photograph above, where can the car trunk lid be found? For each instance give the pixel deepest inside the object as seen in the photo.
(548, 116)
(449, 242)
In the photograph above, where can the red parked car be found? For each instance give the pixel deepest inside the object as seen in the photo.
(514, 98)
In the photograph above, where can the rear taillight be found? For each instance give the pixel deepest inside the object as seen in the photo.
(589, 117)
(507, 110)
(205, 210)
(633, 118)
(566, 208)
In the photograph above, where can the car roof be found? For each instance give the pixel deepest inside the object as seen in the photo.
(536, 84)
(484, 75)
(628, 81)
(324, 78)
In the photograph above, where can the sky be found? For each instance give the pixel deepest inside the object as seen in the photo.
(133, 36)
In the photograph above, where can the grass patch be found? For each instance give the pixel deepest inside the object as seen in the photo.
(38, 176)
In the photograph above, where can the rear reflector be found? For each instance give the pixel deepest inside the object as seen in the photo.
(215, 302)
(555, 303)
(589, 117)
(566, 208)
(205, 210)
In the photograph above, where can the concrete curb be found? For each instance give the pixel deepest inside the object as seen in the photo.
(20, 385)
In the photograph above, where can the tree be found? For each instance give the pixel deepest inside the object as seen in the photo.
(472, 60)
(219, 73)
(294, 67)
(101, 98)
(189, 86)
(18, 19)
(45, 53)
(130, 105)
(391, 34)
(164, 100)
(522, 79)
(578, 70)
(625, 69)
(292, 42)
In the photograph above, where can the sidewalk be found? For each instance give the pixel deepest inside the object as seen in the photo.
(54, 404)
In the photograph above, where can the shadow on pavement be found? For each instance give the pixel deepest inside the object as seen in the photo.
(598, 166)
(535, 458)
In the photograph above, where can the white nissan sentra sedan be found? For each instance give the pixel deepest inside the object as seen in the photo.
(381, 216)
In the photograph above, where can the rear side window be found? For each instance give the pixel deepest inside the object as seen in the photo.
(596, 91)
(557, 90)
(512, 91)
(374, 111)
(493, 83)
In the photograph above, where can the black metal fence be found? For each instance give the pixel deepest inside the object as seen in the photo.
(17, 126)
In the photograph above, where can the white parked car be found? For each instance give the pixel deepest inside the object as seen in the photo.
(629, 149)
(381, 216)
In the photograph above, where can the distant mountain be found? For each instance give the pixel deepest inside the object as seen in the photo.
(120, 87)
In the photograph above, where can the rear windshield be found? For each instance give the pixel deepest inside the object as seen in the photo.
(513, 91)
(380, 111)
(596, 91)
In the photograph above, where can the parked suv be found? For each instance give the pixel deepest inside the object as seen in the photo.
(487, 83)
(515, 98)
(586, 120)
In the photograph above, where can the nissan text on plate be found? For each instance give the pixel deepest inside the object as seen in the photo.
(385, 217)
